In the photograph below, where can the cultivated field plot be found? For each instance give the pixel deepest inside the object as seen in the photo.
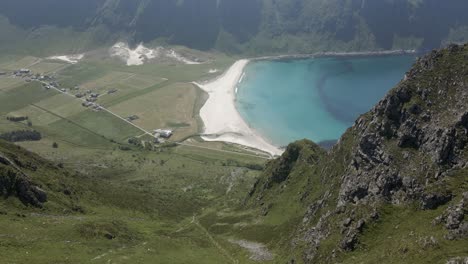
(22, 63)
(171, 106)
(106, 80)
(23, 96)
(8, 82)
(139, 81)
(47, 67)
(51, 109)
(100, 123)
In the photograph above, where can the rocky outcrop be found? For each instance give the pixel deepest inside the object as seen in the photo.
(455, 219)
(411, 117)
(13, 183)
(401, 152)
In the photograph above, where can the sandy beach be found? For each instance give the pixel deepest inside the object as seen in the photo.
(221, 119)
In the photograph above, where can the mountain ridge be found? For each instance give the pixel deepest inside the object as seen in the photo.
(408, 154)
(245, 27)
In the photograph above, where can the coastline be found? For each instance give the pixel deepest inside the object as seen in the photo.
(223, 122)
(336, 54)
(221, 119)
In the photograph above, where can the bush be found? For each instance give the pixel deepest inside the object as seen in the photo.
(17, 118)
(21, 135)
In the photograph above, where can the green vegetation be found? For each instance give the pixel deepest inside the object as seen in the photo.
(266, 27)
(113, 195)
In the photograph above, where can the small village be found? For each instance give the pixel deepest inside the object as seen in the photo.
(89, 98)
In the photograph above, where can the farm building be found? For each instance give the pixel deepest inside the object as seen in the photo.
(165, 133)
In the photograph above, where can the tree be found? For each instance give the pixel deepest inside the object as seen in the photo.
(55, 145)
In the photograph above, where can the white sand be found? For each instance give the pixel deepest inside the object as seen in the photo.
(173, 54)
(136, 56)
(72, 59)
(142, 54)
(222, 120)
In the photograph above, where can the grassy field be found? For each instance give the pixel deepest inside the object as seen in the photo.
(160, 205)
(7, 82)
(168, 107)
(25, 62)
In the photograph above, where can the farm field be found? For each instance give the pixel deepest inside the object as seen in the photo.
(171, 106)
(170, 191)
(159, 95)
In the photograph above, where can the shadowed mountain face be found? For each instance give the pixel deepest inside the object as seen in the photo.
(254, 26)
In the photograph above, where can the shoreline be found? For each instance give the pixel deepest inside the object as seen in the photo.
(336, 54)
(222, 121)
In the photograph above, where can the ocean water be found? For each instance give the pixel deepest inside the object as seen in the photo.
(317, 98)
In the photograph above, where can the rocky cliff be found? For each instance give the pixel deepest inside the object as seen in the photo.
(252, 27)
(407, 155)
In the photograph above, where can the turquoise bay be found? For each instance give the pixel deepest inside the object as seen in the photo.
(316, 98)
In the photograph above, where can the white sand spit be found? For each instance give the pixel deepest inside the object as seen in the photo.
(222, 120)
(72, 59)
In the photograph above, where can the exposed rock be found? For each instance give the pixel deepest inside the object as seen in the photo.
(428, 242)
(404, 151)
(109, 236)
(458, 260)
(349, 241)
(432, 201)
(454, 218)
(347, 222)
(30, 194)
(16, 184)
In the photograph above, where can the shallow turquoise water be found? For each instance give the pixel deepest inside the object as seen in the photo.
(316, 98)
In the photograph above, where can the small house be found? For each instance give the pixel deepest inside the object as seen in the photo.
(164, 133)
(87, 104)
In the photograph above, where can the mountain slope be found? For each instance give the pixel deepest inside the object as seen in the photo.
(239, 26)
(394, 189)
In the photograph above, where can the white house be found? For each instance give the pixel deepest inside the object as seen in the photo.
(165, 133)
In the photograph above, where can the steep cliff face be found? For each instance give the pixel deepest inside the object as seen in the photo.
(242, 26)
(408, 154)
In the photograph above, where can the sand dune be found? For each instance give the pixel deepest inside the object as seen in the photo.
(73, 59)
(142, 54)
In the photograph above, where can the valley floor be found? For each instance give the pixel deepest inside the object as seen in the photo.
(133, 202)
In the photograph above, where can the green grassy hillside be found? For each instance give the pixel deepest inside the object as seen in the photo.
(393, 190)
